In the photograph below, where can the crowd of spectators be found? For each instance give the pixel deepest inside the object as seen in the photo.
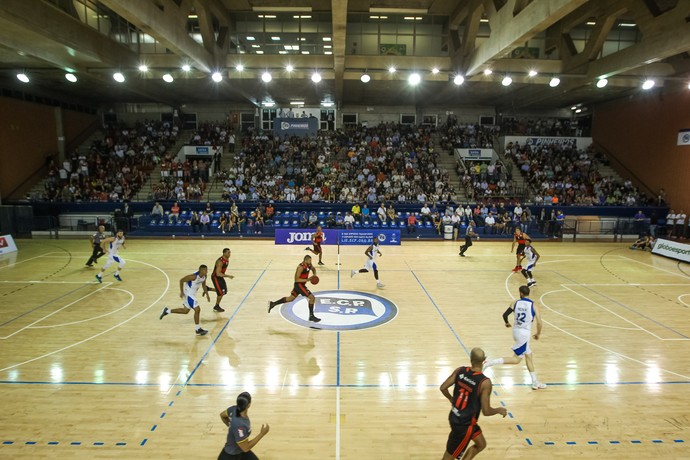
(111, 169)
(559, 173)
(485, 179)
(544, 127)
(389, 162)
(456, 135)
(181, 180)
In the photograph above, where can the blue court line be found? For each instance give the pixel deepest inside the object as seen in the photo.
(624, 306)
(612, 442)
(153, 428)
(440, 312)
(519, 427)
(47, 303)
(225, 326)
(337, 371)
(528, 441)
(143, 442)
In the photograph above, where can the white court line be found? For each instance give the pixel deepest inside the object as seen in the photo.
(626, 284)
(49, 282)
(131, 299)
(680, 297)
(33, 258)
(658, 268)
(103, 332)
(599, 346)
(56, 311)
(541, 299)
(337, 423)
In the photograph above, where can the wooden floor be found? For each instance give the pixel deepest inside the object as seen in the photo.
(88, 370)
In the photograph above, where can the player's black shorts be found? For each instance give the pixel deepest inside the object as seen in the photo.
(243, 456)
(460, 437)
(520, 250)
(317, 248)
(219, 285)
(300, 289)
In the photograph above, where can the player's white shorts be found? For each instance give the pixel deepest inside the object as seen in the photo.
(114, 259)
(530, 267)
(189, 301)
(521, 337)
(370, 265)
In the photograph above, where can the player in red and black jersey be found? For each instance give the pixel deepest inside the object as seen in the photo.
(471, 395)
(218, 278)
(520, 238)
(300, 288)
(317, 239)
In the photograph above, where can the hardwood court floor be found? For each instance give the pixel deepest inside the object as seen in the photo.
(89, 363)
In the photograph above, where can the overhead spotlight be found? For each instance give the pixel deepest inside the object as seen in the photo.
(186, 68)
(328, 104)
(217, 77)
(555, 81)
(143, 68)
(578, 111)
(414, 79)
(316, 77)
(533, 73)
(391, 69)
(506, 81)
(435, 70)
(22, 78)
(365, 78)
(266, 77)
(289, 68)
(269, 104)
(71, 77)
(459, 80)
(573, 107)
(239, 67)
(118, 77)
(648, 84)
(688, 85)
(602, 82)
(488, 72)
(168, 78)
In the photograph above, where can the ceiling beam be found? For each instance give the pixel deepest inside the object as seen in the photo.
(595, 42)
(339, 15)
(509, 32)
(167, 25)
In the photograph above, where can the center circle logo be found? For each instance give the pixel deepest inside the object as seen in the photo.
(341, 310)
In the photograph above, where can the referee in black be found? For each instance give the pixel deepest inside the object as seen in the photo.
(238, 446)
(96, 239)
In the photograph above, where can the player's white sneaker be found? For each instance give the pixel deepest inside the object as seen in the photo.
(353, 273)
(538, 386)
(380, 285)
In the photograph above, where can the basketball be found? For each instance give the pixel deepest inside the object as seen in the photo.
(314, 279)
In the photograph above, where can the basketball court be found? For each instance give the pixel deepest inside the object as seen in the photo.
(88, 370)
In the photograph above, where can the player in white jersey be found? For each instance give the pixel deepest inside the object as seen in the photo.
(189, 286)
(112, 245)
(372, 253)
(531, 256)
(525, 313)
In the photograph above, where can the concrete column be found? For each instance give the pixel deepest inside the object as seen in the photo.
(60, 135)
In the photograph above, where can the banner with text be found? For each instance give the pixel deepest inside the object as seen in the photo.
(199, 150)
(684, 137)
(582, 143)
(476, 154)
(307, 126)
(7, 244)
(672, 249)
(361, 237)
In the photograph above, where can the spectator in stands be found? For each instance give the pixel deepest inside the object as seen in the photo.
(313, 219)
(205, 222)
(303, 220)
(175, 210)
(223, 223)
(258, 223)
(489, 224)
(195, 222)
(425, 213)
(365, 212)
(639, 221)
(391, 213)
(356, 212)
(679, 225)
(157, 210)
(330, 220)
(670, 222)
(381, 213)
(349, 221)
(411, 223)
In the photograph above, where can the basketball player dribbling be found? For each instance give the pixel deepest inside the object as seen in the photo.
(317, 239)
(520, 238)
(218, 278)
(300, 288)
(113, 245)
(189, 286)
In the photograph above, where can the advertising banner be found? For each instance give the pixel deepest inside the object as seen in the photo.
(582, 143)
(7, 244)
(362, 237)
(672, 249)
(295, 126)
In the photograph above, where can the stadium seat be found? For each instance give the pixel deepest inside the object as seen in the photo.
(295, 223)
(375, 223)
(402, 224)
(357, 224)
(384, 224)
(366, 224)
(276, 223)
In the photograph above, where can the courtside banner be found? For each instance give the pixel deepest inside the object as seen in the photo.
(331, 237)
(672, 249)
(7, 244)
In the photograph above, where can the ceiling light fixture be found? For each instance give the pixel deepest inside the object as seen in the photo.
(266, 77)
(458, 80)
(648, 84)
(316, 77)
(186, 68)
(533, 73)
(435, 70)
(239, 67)
(71, 77)
(602, 82)
(328, 104)
(289, 68)
(488, 72)
(555, 81)
(391, 69)
(118, 77)
(268, 104)
(506, 81)
(168, 78)
(275, 39)
(365, 78)
(573, 107)
(217, 77)
(22, 78)
(296, 102)
(414, 79)
(251, 38)
(578, 110)
(143, 68)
